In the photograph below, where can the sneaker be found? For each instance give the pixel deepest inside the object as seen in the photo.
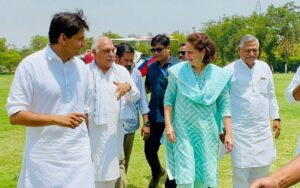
(155, 181)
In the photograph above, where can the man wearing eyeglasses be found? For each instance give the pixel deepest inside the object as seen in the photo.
(181, 52)
(113, 86)
(156, 83)
(253, 105)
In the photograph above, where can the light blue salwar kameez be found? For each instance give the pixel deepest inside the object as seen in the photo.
(199, 102)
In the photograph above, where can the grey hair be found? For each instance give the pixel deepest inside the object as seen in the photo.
(96, 43)
(247, 38)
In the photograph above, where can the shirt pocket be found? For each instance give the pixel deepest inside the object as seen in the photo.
(261, 83)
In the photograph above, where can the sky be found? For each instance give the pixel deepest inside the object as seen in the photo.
(22, 19)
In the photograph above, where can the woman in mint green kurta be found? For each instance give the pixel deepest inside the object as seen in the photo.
(196, 101)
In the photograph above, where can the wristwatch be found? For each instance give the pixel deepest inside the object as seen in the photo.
(278, 119)
(147, 123)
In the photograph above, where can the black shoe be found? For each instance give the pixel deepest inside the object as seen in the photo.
(170, 183)
(153, 184)
(155, 181)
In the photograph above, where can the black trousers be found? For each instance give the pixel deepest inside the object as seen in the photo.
(152, 145)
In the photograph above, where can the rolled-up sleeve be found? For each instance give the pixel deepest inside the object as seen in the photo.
(142, 102)
(293, 84)
(21, 90)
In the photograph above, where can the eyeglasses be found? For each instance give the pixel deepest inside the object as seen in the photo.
(158, 50)
(181, 53)
(108, 51)
(248, 51)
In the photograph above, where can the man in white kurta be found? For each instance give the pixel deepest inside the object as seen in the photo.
(292, 94)
(113, 87)
(253, 103)
(50, 95)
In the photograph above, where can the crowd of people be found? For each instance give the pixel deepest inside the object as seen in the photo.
(81, 119)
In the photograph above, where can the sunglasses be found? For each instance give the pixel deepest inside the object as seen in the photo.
(158, 50)
(181, 53)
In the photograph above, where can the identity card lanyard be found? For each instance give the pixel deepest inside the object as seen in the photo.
(164, 71)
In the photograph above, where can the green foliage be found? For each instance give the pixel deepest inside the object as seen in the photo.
(277, 30)
(25, 51)
(177, 39)
(38, 42)
(226, 34)
(9, 57)
(111, 35)
(283, 24)
(88, 44)
(143, 47)
(2, 44)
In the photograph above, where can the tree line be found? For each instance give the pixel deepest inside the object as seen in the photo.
(278, 31)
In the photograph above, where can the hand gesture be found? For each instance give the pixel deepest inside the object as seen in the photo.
(71, 120)
(122, 89)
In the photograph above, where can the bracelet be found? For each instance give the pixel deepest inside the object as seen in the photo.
(147, 123)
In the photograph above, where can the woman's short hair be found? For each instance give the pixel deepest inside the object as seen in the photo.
(201, 42)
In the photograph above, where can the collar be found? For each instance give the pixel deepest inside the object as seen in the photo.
(170, 61)
(113, 65)
(244, 64)
(52, 56)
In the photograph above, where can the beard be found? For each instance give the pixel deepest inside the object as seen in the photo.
(129, 68)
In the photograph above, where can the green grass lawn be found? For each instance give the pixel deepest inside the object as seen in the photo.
(12, 142)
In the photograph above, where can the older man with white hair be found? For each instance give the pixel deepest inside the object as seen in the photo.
(253, 104)
(113, 87)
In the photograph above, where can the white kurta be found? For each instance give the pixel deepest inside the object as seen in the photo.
(106, 131)
(290, 98)
(293, 84)
(54, 156)
(253, 102)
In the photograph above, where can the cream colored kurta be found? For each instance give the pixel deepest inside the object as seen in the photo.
(106, 131)
(253, 105)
